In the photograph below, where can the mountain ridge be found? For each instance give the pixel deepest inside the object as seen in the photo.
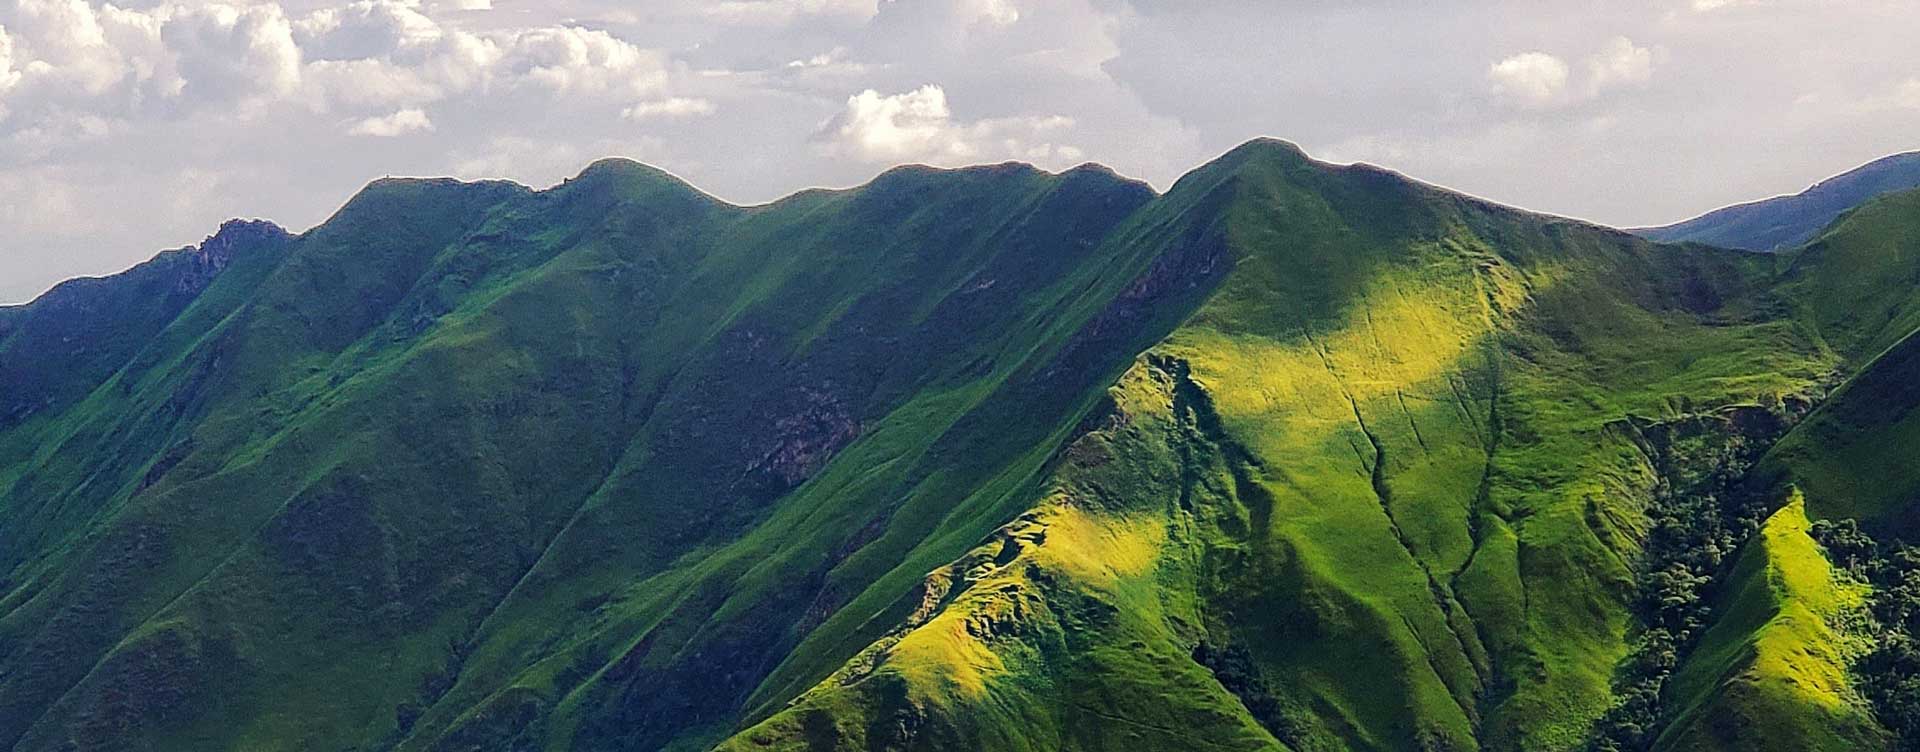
(1291, 456)
(1788, 220)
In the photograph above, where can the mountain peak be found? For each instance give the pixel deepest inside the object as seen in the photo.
(235, 234)
(620, 179)
(1268, 147)
(622, 168)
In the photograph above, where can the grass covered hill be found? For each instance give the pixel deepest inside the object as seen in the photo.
(1292, 456)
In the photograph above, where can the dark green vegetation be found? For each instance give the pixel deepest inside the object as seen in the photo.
(1785, 222)
(1891, 668)
(1292, 456)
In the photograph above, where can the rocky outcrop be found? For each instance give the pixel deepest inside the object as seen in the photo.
(214, 254)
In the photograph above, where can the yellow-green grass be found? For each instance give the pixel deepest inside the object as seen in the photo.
(1772, 671)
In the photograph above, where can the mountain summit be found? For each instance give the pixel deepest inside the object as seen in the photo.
(1292, 456)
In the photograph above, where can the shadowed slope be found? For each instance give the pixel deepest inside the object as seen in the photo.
(469, 423)
(1856, 283)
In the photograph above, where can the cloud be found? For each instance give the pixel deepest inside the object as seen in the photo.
(369, 29)
(831, 58)
(1906, 95)
(1619, 63)
(225, 54)
(8, 76)
(399, 123)
(381, 54)
(919, 125)
(67, 44)
(64, 58)
(671, 107)
(913, 124)
(1539, 79)
(996, 12)
(572, 58)
(1535, 78)
(779, 12)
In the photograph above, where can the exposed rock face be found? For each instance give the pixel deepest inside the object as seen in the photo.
(217, 252)
(803, 439)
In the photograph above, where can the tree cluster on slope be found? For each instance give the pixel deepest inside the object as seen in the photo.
(1700, 516)
(1888, 675)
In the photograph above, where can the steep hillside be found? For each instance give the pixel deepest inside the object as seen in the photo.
(1772, 672)
(1857, 283)
(79, 333)
(467, 453)
(1785, 222)
(1291, 456)
(1374, 494)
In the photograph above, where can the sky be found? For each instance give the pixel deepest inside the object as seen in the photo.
(130, 128)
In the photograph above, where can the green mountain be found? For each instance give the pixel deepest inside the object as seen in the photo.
(1292, 456)
(1786, 222)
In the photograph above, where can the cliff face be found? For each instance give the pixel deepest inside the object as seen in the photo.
(1292, 455)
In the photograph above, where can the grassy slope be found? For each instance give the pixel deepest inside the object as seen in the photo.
(454, 401)
(922, 483)
(62, 345)
(475, 467)
(1771, 674)
(1388, 482)
(1853, 456)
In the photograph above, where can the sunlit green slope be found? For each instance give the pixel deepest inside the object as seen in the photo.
(1381, 489)
(1291, 456)
(1772, 672)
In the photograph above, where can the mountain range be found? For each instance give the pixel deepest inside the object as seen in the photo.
(1291, 456)
(1785, 222)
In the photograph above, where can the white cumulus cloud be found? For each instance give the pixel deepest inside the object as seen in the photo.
(367, 29)
(399, 123)
(8, 76)
(572, 58)
(778, 12)
(1536, 78)
(671, 107)
(1619, 63)
(919, 125)
(915, 123)
(997, 12)
(1540, 79)
(225, 54)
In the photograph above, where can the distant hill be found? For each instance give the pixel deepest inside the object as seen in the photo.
(1784, 222)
